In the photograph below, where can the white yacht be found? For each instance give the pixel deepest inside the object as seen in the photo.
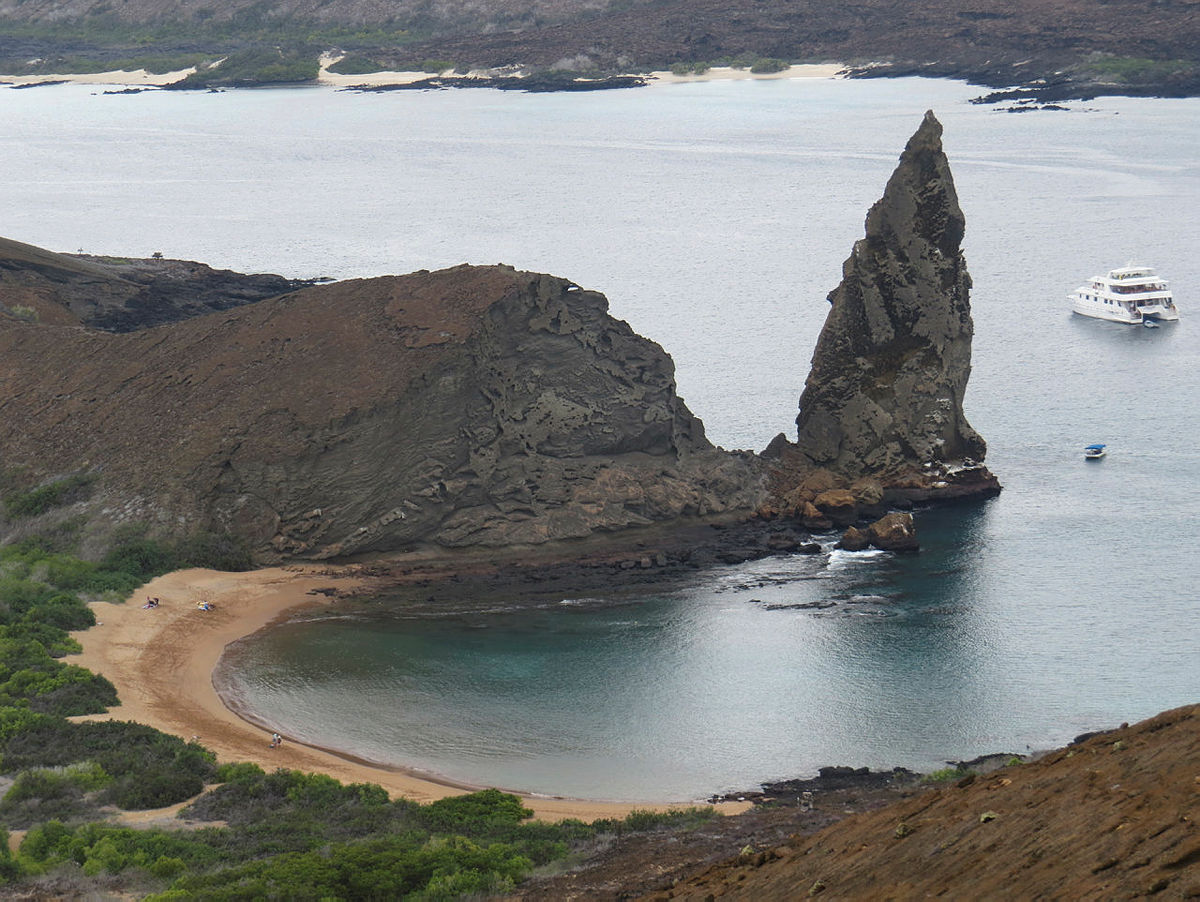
(1133, 294)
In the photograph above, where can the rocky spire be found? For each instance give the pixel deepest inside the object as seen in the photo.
(884, 396)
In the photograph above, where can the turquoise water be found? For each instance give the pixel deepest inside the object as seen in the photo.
(716, 218)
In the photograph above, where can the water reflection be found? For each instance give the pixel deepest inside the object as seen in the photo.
(740, 674)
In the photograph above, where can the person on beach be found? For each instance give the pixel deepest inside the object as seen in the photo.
(276, 740)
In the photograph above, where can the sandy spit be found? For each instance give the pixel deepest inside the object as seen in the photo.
(134, 79)
(162, 661)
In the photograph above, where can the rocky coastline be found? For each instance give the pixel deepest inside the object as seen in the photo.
(476, 407)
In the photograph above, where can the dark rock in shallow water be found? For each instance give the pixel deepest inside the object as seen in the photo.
(854, 539)
(894, 532)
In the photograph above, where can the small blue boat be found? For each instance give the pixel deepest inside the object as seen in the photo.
(1094, 452)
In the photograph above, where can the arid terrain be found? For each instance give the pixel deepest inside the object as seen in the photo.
(1062, 48)
(1111, 817)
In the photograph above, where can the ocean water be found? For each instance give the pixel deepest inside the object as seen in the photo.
(716, 216)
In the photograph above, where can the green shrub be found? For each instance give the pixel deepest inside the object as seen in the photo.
(213, 551)
(258, 66)
(10, 868)
(44, 497)
(139, 558)
(39, 795)
(150, 769)
(945, 775)
(767, 65)
(154, 788)
(242, 772)
(356, 64)
(434, 67)
(475, 813)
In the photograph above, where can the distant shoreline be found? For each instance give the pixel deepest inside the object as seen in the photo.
(140, 78)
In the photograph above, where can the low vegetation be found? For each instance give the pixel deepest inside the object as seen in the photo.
(767, 66)
(356, 64)
(246, 68)
(947, 775)
(281, 835)
(1135, 70)
(41, 498)
(245, 50)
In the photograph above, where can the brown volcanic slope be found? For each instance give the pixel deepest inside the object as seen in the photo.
(472, 406)
(1115, 817)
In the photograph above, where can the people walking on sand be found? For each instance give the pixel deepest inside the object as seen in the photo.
(276, 740)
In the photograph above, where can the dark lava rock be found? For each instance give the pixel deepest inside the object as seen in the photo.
(882, 406)
(894, 532)
(122, 294)
(854, 539)
(891, 366)
(537, 83)
(476, 406)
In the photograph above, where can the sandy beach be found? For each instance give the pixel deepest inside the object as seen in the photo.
(161, 661)
(727, 73)
(140, 78)
(717, 73)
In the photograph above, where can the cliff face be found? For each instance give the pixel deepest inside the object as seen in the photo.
(884, 397)
(472, 406)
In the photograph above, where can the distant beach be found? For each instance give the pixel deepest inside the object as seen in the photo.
(120, 77)
(161, 661)
(141, 78)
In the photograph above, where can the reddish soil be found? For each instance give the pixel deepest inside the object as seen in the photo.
(1112, 817)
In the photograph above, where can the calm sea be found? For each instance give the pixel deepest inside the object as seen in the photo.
(716, 217)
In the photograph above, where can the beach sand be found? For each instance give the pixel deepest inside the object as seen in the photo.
(162, 660)
(726, 73)
(142, 78)
(137, 78)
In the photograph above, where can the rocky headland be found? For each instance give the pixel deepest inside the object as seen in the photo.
(881, 417)
(121, 294)
(475, 407)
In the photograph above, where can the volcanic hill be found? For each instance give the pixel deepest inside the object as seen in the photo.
(471, 406)
(476, 406)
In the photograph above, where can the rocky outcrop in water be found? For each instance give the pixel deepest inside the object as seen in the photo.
(881, 414)
(121, 294)
(476, 406)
